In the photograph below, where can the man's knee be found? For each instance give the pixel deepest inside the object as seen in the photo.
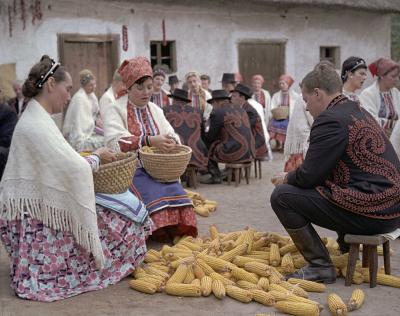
(278, 194)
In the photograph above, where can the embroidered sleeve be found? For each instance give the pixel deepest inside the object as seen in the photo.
(328, 141)
(94, 162)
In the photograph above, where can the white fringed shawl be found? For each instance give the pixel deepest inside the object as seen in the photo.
(79, 123)
(298, 131)
(46, 179)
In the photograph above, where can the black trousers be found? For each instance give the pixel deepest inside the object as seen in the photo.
(296, 207)
(213, 169)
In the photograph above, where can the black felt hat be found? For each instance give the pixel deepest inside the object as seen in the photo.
(243, 89)
(218, 95)
(228, 78)
(180, 94)
(173, 79)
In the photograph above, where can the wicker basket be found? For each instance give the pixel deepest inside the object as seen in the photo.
(280, 113)
(166, 167)
(115, 177)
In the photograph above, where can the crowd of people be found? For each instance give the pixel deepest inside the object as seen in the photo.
(341, 171)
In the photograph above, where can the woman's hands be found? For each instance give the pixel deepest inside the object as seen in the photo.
(163, 142)
(105, 154)
(279, 178)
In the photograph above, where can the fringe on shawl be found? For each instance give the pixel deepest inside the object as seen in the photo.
(55, 218)
(296, 146)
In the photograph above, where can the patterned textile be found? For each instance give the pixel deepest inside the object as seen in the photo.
(140, 124)
(229, 138)
(294, 161)
(47, 265)
(133, 69)
(126, 204)
(387, 112)
(188, 124)
(160, 98)
(260, 98)
(277, 129)
(261, 149)
(161, 195)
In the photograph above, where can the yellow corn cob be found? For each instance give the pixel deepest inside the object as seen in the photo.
(216, 263)
(137, 271)
(167, 249)
(384, 279)
(182, 247)
(240, 261)
(143, 286)
(340, 261)
(226, 274)
(189, 275)
(289, 248)
(336, 305)
(192, 246)
(356, 300)
(258, 235)
(263, 283)
(210, 206)
(296, 290)
(155, 271)
(295, 298)
(149, 279)
(241, 237)
(149, 257)
(277, 238)
(217, 276)
(206, 268)
(259, 243)
(358, 278)
(202, 211)
(239, 294)
(258, 268)
(179, 289)
(262, 297)
(242, 274)
(176, 263)
(277, 287)
(218, 289)
(331, 243)
(276, 274)
(198, 271)
(231, 236)
(179, 274)
(299, 262)
(279, 295)
(263, 314)
(247, 285)
(145, 275)
(297, 309)
(274, 255)
(309, 286)
(206, 285)
(287, 263)
(213, 232)
(237, 251)
(159, 266)
(196, 282)
(249, 239)
(228, 245)
(261, 255)
(333, 251)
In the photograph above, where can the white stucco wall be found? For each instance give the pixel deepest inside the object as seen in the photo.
(206, 36)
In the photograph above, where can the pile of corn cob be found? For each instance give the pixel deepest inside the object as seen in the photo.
(202, 206)
(246, 265)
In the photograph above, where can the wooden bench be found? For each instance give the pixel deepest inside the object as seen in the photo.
(369, 255)
(236, 169)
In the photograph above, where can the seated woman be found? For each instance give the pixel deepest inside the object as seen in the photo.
(60, 243)
(134, 122)
(188, 124)
(82, 116)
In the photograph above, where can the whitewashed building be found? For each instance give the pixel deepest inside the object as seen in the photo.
(212, 36)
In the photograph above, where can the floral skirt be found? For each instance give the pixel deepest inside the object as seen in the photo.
(171, 222)
(294, 161)
(48, 265)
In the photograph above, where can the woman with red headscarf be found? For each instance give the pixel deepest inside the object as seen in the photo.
(382, 99)
(132, 122)
(283, 98)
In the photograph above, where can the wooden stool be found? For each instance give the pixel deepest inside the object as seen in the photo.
(191, 177)
(257, 168)
(236, 168)
(369, 255)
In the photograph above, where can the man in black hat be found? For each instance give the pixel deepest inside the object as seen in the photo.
(173, 83)
(240, 96)
(187, 122)
(228, 82)
(229, 138)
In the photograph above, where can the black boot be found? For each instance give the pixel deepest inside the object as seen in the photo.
(310, 245)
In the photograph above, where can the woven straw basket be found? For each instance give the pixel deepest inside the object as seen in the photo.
(280, 113)
(115, 177)
(166, 167)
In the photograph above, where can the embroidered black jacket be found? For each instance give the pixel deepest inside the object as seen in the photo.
(351, 162)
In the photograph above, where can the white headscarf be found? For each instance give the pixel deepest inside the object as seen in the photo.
(46, 179)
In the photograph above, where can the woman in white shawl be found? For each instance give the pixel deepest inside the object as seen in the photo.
(82, 116)
(298, 134)
(382, 98)
(134, 122)
(60, 244)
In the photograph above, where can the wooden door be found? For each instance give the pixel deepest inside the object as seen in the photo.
(264, 58)
(100, 54)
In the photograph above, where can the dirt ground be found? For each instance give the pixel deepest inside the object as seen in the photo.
(247, 205)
